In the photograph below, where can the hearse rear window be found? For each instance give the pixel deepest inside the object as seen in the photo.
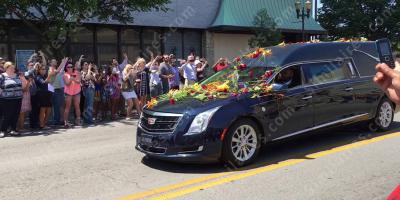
(319, 73)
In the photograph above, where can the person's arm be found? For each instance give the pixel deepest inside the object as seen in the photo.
(67, 80)
(389, 81)
(215, 66)
(150, 63)
(44, 61)
(24, 82)
(78, 78)
(79, 63)
(124, 63)
(204, 66)
(164, 71)
(48, 79)
(31, 58)
(125, 76)
(62, 65)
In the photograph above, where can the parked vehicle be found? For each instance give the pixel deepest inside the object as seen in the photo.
(321, 85)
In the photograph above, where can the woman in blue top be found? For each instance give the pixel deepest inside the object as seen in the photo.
(44, 93)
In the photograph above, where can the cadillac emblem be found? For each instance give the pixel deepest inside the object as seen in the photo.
(151, 121)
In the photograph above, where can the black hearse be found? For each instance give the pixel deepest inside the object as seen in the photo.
(330, 85)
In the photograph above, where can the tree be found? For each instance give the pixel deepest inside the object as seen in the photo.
(266, 33)
(53, 21)
(372, 19)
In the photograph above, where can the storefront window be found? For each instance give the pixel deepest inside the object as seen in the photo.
(106, 45)
(106, 52)
(3, 51)
(82, 35)
(21, 33)
(130, 39)
(106, 35)
(130, 36)
(3, 31)
(151, 42)
(82, 49)
(133, 52)
(173, 44)
(192, 43)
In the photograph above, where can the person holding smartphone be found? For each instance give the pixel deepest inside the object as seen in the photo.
(72, 90)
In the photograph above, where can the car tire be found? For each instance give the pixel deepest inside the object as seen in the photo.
(241, 143)
(384, 116)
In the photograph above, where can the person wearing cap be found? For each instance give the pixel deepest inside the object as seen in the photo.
(189, 71)
(165, 73)
(11, 91)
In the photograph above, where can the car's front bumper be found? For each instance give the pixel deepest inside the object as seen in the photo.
(201, 148)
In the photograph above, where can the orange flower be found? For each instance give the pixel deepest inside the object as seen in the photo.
(150, 104)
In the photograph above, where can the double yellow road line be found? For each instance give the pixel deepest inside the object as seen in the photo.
(205, 182)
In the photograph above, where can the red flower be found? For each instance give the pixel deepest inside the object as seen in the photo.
(251, 73)
(171, 101)
(245, 90)
(204, 87)
(255, 55)
(237, 59)
(242, 67)
(268, 74)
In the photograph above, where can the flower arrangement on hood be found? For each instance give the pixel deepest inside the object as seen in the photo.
(226, 88)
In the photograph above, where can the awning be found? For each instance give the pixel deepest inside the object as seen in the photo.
(239, 15)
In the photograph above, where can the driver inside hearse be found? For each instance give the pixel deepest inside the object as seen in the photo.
(287, 78)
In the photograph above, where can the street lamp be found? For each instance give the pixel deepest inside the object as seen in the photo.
(303, 11)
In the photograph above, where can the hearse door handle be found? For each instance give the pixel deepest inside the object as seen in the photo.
(349, 89)
(307, 97)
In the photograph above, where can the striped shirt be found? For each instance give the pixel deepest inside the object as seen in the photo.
(144, 89)
(11, 87)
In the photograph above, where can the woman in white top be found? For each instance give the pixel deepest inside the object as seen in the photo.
(155, 81)
(128, 87)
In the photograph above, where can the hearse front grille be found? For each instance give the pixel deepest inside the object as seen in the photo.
(162, 122)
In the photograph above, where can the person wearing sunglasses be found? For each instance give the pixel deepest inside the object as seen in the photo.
(72, 90)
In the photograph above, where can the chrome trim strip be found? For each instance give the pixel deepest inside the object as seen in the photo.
(320, 126)
(160, 114)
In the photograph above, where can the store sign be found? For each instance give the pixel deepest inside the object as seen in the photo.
(21, 59)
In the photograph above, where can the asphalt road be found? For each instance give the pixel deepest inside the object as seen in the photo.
(101, 163)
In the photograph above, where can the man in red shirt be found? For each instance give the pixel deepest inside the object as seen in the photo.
(220, 65)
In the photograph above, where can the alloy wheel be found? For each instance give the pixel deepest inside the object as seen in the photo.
(244, 143)
(385, 114)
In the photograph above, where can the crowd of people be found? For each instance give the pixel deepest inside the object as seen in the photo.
(48, 92)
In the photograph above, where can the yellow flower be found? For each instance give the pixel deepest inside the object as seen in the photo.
(282, 44)
(224, 87)
(267, 52)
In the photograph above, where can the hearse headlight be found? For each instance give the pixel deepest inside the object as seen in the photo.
(201, 121)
